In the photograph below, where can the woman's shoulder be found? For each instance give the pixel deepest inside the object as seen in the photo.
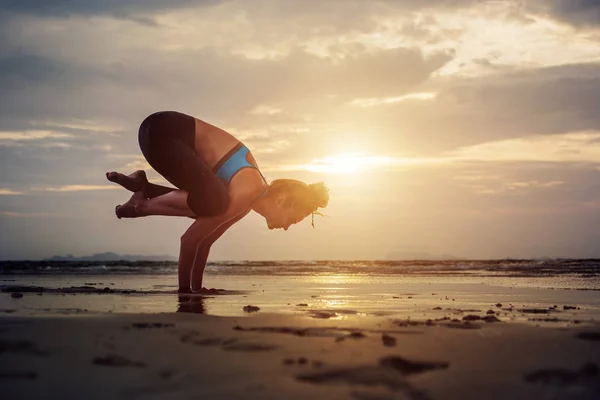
(247, 186)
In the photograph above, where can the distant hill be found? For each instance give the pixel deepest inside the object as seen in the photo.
(108, 256)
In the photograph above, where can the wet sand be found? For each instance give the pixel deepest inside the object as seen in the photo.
(459, 354)
(270, 338)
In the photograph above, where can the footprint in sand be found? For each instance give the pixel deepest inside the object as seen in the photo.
(351, 335)
(230, 344)
(390, 372)
(151, 325)
(249, 347)
(303, 332)
(463, 325)
(562, 377)
(115, 360)
(18, 375)
(388, 340)
(167, 373)
(407, 367)
(323, 314)
(594, 336)
(20, 346)
(196, 339)
(302, 361)
(537, 310)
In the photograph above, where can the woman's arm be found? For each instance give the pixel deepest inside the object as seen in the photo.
(196, 242)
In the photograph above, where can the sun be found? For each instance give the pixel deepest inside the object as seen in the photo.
(347, 163)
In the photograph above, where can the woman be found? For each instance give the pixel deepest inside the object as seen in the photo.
(219, 183)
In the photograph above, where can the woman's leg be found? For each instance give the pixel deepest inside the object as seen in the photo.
(172, 204)
(152, 190)
(136, 182)
(167, 141)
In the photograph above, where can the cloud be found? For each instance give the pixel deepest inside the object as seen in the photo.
(291, 107)
(18, 69)
(340, 11)
(513, 186)
(77, 188)
(513, 114)
(466, 112)
(9, 192)
(117, 8)
(265, 110)
(32, 135)
(26, 215)
(78, 126)
(389, 100)
(570, 147)
(196, 77)
(138, 163)
(576, 12)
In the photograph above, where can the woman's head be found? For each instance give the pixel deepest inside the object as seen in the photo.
(293, 201)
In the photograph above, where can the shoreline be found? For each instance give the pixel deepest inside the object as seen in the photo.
(398, 299)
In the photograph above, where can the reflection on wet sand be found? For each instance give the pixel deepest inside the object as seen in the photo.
(190, 304)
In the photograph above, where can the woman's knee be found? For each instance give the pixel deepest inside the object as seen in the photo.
(150, 126)
(167, 123)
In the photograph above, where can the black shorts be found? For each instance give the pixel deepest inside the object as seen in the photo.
(167, 140)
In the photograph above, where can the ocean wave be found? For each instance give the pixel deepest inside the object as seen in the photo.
(583, 268)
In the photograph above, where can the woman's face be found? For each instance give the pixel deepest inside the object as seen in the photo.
(284, 216)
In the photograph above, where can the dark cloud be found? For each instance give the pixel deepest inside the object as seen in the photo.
(41, 163)
(18, 74)
(118, 8)
(576, 12)
(18, 69)
(211, 82)
(334, 10)
(34, 85)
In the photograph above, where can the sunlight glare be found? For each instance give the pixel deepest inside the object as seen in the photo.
(348, 163)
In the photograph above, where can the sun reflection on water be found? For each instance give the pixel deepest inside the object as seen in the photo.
(334, 280)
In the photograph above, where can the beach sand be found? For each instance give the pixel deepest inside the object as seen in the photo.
(442, 354)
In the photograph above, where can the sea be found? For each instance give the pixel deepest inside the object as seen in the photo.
(333, 289)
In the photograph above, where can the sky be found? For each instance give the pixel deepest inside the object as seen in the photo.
(443, 128)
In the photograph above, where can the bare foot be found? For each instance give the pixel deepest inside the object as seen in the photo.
(131, 209)
(134, 182)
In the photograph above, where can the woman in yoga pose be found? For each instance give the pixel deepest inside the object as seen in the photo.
(218, 183)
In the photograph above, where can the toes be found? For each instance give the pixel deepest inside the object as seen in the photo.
(133, 182)
(140, 177)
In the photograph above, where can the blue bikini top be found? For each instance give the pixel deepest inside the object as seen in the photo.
(233, 162)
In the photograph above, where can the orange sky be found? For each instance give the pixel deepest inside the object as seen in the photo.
(465, 128)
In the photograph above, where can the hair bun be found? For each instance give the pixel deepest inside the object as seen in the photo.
(320, 194)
